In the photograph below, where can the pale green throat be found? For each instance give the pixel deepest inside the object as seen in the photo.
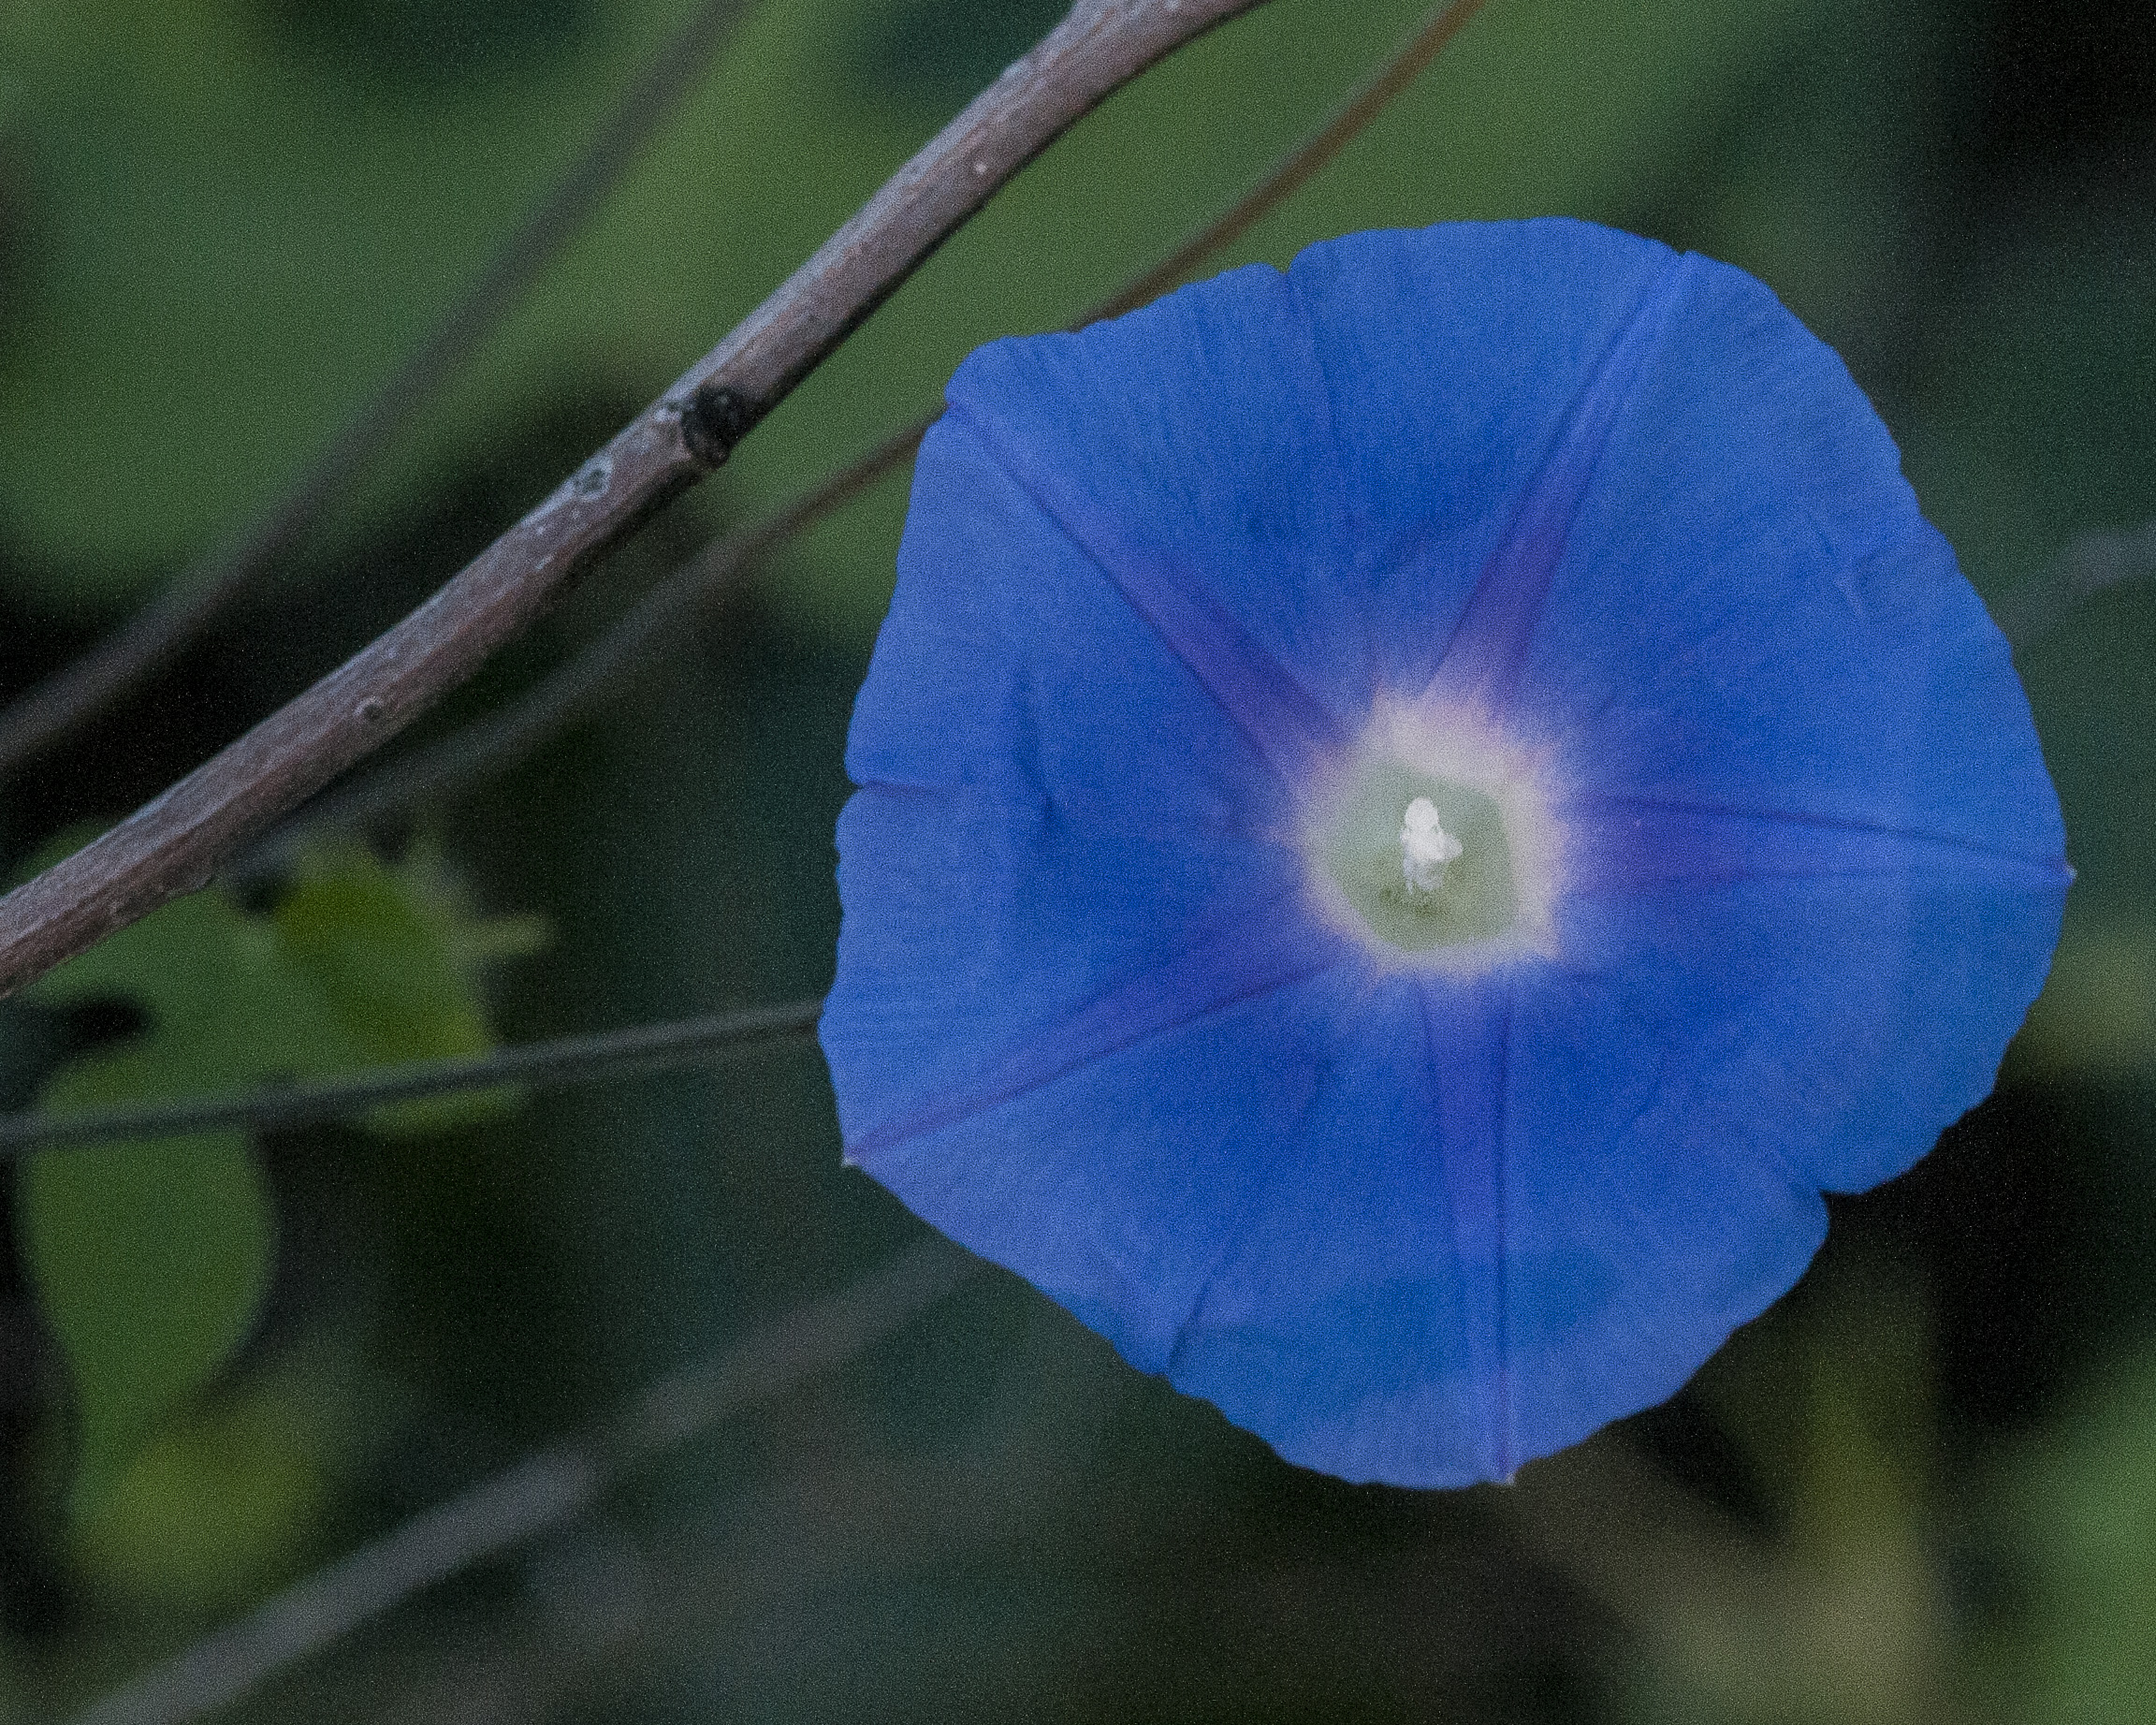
(1424, 862)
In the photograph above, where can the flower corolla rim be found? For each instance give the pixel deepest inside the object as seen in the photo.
(1538, 509)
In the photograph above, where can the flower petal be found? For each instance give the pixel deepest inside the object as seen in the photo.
(1213, 506)
(1717, 1055)
(1357, 1320)
(1645, 1218)
(1846, 1019)
(1037, 827)
(1750, 614)
(1461, 361)
(1187, 1098)
(1076, 891)
(974, 682)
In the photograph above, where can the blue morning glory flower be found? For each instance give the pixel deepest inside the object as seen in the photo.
(1413, 814)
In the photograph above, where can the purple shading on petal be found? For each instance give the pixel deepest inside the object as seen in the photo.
(1481, 663)
(1450, 359)
(1292, 733)
(1219, 496)
(1268, 948)
(1625, 844)
(1338, 1318)
(1647, 1218)
(1751, 613)
(1465, 1028)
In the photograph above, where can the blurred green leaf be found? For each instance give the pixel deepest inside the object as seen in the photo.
(407, 42)
(396, 954)
(230, 1499)
(2083, 1521)
(238, 249)
(151, 1259)
(2096, 1017)
(365, 942)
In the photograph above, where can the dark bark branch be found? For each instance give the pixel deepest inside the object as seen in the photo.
(151, 640)
(175, 843)
(499, 741)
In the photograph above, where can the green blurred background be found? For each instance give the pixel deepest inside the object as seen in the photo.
(1923, 1487)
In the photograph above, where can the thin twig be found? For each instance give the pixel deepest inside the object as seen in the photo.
(1408, 62)
(557, 1064)
(158, 634)
(2090, 564)
(174, 844)
(494, 744)
(542, 1492)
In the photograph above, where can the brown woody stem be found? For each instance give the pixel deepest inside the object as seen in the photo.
(174, 844)
(155, 636)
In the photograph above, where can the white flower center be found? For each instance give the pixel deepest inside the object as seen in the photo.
(1425, 848)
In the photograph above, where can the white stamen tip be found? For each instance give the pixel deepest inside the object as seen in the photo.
(1425, 848)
